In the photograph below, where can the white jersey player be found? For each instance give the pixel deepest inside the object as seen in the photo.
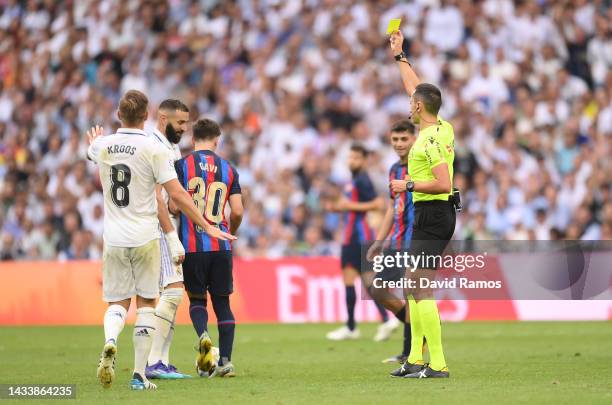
(131, 164)
(172, 119)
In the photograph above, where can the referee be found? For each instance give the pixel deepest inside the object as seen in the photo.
(430, 169)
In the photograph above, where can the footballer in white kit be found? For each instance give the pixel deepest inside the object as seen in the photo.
(170, 272)
(131, 164)
(172, 119)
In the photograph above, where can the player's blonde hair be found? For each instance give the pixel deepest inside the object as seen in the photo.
(133, 108)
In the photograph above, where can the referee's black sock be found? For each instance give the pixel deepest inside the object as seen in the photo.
(351, 301)
(226, 325)
(198, 315)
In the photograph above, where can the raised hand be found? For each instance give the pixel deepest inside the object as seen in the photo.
(94, 133)
(395, 42)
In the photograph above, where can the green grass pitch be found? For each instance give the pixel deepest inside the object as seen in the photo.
(548, 362)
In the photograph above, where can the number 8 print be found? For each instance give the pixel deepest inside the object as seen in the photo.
(121, 176)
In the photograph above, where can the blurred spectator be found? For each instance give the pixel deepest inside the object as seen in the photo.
(42, 242)
(527, 85)
(80, 248)
(8, 248)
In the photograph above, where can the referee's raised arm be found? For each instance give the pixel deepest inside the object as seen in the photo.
(409, 76)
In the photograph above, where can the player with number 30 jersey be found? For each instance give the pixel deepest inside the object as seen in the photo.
(131, 164)
(212, 182)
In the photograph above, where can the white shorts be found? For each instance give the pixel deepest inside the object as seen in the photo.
(170, 272)
(130, 271)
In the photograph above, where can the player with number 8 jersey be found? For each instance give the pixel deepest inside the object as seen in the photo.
(130, 209)
(131, 164)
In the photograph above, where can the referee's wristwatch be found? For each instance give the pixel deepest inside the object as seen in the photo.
(401, 56)
(410, 186)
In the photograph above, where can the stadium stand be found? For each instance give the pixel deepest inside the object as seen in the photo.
(527, 85)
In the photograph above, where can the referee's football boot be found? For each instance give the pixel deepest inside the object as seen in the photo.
(429, 372)
(407, 369)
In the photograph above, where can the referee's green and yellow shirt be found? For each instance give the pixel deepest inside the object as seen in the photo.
(434, 145)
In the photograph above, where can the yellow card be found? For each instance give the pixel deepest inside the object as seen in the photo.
(394, 25)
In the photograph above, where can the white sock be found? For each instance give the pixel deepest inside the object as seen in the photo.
(114, 320)
(144, 331)
(165, 355)
(165, 313)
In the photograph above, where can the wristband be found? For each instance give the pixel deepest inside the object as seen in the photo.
(401, 56)
(172, 235)
(174, 244)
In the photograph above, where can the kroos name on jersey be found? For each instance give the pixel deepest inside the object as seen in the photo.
(121, 149)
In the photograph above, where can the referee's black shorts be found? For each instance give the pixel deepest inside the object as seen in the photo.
(434, 225)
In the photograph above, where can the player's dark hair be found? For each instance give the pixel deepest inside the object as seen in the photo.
(133, 108)
(172, 104)
(430, 96)
(403, 126)
(206, 129)
(357, 147)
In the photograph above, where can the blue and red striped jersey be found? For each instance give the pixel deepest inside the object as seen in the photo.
(357, 230)
(210, 180)
(403, 210)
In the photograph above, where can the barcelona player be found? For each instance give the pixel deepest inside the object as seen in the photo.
(396, 227)
(131, 164)
(360, 198)
(212, 182)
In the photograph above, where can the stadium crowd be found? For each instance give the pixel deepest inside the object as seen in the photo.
(526, 84)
